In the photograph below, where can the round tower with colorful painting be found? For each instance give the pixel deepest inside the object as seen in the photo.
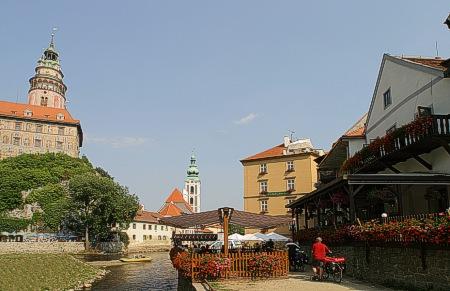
(192, 186)
(47, 87)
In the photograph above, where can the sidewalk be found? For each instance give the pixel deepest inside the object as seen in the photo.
(295, 281)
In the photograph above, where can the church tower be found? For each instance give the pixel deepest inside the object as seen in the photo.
(191, 191)
(47, 87)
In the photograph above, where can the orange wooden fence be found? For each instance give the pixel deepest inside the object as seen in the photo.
(239, 264)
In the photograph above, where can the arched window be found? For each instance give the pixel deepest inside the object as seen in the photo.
(192, 189)
(191, 201)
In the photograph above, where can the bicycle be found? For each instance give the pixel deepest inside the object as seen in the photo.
(334, 267)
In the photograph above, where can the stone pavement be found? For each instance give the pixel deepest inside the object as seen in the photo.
(296, 281)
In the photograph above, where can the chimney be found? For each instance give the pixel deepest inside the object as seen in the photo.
(287, 141)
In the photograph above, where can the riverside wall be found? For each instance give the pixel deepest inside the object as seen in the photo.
(411, 268)
(41, 247)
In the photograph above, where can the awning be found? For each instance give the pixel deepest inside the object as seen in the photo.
(374, 179)
(241, 218)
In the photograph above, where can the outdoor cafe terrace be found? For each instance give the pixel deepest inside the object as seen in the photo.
(226, 264)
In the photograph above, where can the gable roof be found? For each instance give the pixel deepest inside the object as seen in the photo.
(358, 129)
(42, 113)
(436, 66)
(147, 216)
(175, 196)
(276, 151)
(175, 205)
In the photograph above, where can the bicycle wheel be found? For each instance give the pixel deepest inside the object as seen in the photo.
(337, 273)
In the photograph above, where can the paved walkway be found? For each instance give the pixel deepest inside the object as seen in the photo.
(296, 281)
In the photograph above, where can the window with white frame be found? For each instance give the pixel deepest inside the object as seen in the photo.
(144, 226)
(387, 99)
(290, 166)
(263, 168)
(263, 186)
(263, 205)
(290, 184)
(134, 225)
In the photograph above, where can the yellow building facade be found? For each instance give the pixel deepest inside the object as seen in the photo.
(278, 176)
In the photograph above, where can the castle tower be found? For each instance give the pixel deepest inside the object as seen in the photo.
(191, 191)
(47, 87)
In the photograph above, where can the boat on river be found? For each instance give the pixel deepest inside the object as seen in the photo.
(137, 259)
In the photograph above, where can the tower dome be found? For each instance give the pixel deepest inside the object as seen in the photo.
(192, 171)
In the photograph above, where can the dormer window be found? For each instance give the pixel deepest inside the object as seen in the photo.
(28, 113)
(387, 99)
(60, 116)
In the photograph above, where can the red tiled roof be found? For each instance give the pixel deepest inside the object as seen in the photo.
(276, 151)
(437, 62)
(147, 216)
(175, 196)
(170, 209)
(357, 132)
(17, 110)
(358, 129)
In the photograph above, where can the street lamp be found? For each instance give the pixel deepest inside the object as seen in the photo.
(447, 21)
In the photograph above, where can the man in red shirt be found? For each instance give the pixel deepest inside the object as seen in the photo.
(319, 251)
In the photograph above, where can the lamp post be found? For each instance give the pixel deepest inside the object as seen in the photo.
(225, 216)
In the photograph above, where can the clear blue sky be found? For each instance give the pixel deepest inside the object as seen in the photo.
(152, 80)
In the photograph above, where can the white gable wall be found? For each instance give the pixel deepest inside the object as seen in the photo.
(408, 85)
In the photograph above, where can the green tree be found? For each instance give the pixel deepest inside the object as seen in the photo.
(98, 203)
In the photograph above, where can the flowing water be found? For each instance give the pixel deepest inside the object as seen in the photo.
(155, 275)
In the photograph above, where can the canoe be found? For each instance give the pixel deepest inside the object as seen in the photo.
(136, 260)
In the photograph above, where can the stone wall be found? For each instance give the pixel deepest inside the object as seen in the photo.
(149, 247)
(41, 247)
(402, 267)
(110, 247)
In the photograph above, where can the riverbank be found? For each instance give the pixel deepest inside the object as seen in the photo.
(45, 272)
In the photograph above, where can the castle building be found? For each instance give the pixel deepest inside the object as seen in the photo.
(192, 186)
(43, 124)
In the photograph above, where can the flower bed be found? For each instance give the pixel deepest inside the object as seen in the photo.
(211, 267)
(432, 231)
(263, 265)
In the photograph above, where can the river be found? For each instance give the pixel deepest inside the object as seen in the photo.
(155, 275)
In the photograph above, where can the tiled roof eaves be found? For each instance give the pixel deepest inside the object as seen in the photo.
(12, 116)
(279, 156)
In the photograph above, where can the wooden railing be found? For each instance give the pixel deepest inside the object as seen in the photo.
(413, 216)
(418, 132)
(239, 265)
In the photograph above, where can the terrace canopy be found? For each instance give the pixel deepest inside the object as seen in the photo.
(241, 218)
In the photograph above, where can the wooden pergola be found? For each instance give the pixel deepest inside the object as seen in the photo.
(225, 216)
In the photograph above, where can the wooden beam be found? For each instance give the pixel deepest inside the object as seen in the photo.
(352, 204)
(392, 168)
(356, 191)
(423, 163)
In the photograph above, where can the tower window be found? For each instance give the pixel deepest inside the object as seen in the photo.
(39, 128)
(44, 101)
(60, 130)
(191, 201)
(16, 141)
(192, 189)
(38, 143)
(18, 126)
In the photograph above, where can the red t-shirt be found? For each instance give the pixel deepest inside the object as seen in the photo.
(319, 251)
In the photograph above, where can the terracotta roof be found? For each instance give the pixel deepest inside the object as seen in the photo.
(276, 151)
(175, 196)
(17, 110)
(170, 209)
(437, 62)
(358, 129)
(147, 216)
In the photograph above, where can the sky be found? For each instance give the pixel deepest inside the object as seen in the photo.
(154, 81)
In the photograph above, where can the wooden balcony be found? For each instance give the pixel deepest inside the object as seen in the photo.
(418, 137)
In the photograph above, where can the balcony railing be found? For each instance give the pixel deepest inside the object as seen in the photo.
(420, 136)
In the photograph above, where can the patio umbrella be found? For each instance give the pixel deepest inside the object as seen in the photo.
(277, 237)
(262, 236)
(236, 236)
(251, 237)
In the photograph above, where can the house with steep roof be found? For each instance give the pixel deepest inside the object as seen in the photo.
(175, 205)
(403, 166)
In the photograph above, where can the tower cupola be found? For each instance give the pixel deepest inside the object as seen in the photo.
(46, 86)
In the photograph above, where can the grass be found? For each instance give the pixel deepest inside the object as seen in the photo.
(43, 272)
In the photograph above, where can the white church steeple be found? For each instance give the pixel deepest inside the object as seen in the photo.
(192, 186)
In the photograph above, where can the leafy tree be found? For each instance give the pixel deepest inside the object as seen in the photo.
(234, 228)
(98, 203)
(102, 172)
